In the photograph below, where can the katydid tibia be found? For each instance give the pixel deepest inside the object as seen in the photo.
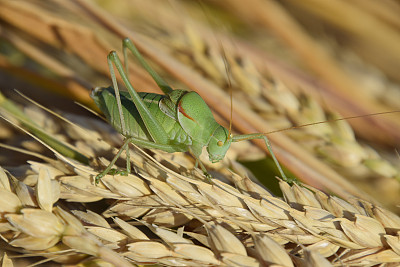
(178, 121)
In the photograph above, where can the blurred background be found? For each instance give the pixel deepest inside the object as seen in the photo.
(287, 63)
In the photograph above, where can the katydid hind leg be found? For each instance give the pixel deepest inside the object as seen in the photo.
(127, 44)
(125, 146)
(117, 95)
(156, 130)
(128, 160)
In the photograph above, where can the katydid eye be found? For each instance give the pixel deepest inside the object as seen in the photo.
(220, 143)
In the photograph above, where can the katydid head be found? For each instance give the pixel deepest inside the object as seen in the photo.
(219, 143)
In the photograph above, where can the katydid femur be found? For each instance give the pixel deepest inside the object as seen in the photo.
(178, 121)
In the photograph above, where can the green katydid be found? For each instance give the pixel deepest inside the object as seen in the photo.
(178, 121)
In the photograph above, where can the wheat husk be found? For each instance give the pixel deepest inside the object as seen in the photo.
(271, 96)
(164, 217)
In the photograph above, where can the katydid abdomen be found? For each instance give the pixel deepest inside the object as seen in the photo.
(135, 127)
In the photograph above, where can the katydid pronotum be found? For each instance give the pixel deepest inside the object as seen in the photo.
(178, 121)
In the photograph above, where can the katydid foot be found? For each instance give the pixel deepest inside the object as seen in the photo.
(110, 172)
(208, 176)
(203, 168)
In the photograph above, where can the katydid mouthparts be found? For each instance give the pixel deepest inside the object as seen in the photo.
(178, 121)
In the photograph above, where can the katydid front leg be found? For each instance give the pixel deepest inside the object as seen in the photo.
(196, 151)
(238, 138)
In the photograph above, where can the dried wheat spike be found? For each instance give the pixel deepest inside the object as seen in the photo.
(171, 216)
